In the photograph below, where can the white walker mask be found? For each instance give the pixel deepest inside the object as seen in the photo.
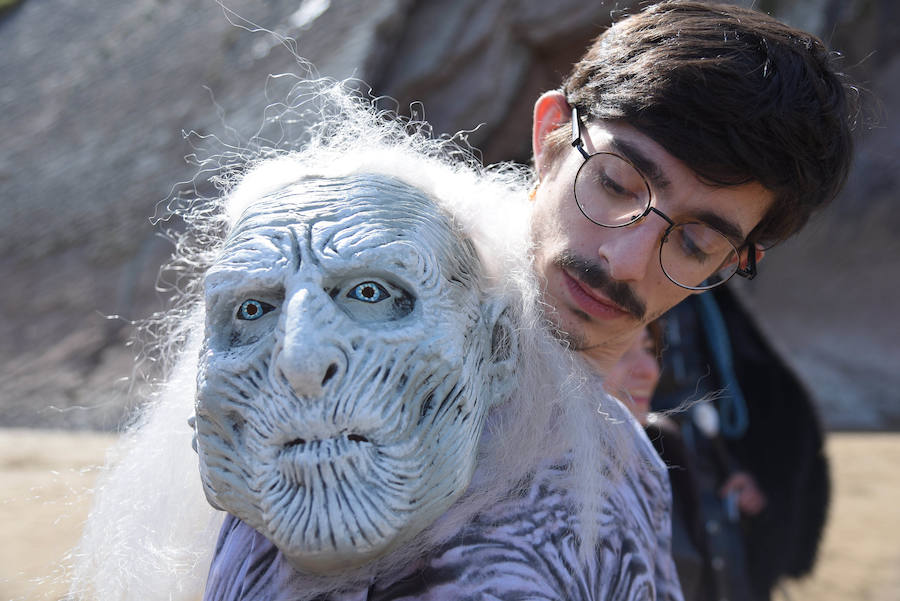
(347, 369)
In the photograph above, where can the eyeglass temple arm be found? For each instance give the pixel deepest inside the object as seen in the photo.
(576, 127)
(576, 134)
(749, 272)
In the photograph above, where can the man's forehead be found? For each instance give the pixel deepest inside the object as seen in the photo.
(667, 175)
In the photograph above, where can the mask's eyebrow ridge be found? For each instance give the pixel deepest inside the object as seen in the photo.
(296, 256)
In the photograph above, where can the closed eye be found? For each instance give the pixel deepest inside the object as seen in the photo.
(614, 187)
(690, 249)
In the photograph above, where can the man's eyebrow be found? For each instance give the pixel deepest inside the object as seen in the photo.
(654, 174)
(731, 230)
(650, 169)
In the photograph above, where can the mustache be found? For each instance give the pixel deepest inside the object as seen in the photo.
(598, 278)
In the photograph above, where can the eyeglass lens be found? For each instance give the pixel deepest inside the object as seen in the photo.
(610, 191)
(613, 193)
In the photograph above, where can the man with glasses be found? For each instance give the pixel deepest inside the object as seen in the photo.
(690, 138)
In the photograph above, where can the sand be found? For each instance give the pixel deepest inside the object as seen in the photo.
(860, 556)
(47, 477)
(44, 499)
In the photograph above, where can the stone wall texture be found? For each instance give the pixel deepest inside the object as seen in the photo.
(95, 97)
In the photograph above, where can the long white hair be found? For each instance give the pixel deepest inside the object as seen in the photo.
(151, 534)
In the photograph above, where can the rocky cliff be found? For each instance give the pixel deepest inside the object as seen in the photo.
(96, 97)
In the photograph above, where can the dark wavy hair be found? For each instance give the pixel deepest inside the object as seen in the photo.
(734, 94)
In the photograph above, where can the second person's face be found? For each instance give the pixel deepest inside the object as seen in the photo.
(634, 377)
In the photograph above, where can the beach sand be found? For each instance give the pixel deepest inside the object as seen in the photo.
(44, 499)
(47, 477)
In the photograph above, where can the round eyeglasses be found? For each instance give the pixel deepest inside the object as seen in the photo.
(612, 192)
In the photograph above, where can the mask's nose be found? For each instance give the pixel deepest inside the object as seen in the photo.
(308, 356)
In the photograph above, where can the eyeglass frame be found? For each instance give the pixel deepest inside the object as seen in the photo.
(748, 272)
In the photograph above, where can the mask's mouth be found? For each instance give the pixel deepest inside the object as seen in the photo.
(304, 453)
(300, 460)
(318, 442)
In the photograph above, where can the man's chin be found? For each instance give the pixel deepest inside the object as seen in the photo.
(596, 338)
(574, 327)
(570, 330)
(574, 342)
(565, 329)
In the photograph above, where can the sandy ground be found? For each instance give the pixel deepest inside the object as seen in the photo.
(47, 476)
(45, 495)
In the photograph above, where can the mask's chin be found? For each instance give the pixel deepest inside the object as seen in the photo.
(324, 528)
(336, 562)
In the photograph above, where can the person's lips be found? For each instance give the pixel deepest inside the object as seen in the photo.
(590, 301)
(597, 293)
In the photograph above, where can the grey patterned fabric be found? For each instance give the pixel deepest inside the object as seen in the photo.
(523, 548)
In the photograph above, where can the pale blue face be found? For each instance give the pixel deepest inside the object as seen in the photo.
(341, 393)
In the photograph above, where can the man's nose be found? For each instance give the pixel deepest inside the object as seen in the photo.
(630, 251)
(308, 355)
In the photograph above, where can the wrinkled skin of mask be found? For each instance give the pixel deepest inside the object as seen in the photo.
(347, 369)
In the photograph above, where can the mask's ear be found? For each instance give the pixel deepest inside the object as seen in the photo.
(504, 351)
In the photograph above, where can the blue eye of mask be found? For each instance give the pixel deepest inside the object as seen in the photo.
(369, 292)
(252, 309)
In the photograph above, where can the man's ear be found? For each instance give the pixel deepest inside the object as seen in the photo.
(504, 351)
(550, 111)
(744, 256)
(760, 253)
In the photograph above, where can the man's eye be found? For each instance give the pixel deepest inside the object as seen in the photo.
(614, 187)
(253, 309)
(692, 250)
(369, 292)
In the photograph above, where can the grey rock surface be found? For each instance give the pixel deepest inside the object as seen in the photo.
(95, 97)
(94, 102)
(829, 298)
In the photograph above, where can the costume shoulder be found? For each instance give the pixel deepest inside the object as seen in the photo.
(526, 549)
(523, 548)
(245, 565)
